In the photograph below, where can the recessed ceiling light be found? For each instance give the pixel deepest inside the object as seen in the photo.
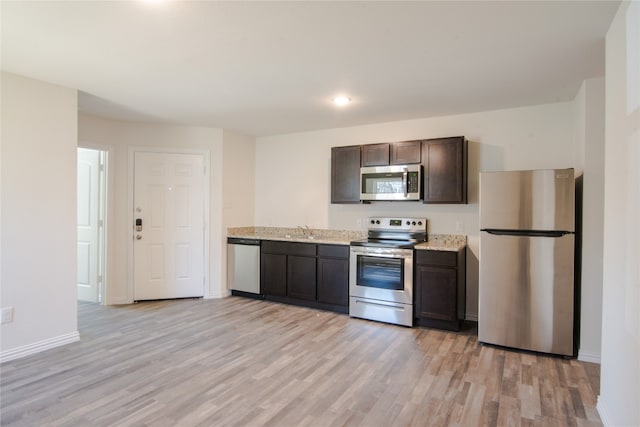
(341, 100)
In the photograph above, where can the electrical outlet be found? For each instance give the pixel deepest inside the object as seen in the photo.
(7, 314)
(459, 226)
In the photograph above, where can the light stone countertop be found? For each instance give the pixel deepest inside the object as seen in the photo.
(322, 236)
(443, 242)
(436, 242)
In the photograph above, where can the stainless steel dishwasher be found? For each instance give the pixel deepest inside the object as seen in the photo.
(243, 267)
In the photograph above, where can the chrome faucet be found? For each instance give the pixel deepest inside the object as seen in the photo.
(306, 231)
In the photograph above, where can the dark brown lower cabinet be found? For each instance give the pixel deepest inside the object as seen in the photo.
(307, 274)
(333, 275)
(440, 289)
(273, 274)
(301, 277)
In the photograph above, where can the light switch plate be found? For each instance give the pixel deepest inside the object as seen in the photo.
(7, 314)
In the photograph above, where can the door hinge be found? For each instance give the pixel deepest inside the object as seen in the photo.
(99, 279)
(100, 223)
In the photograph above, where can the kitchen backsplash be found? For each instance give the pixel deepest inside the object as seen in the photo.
(448, 239)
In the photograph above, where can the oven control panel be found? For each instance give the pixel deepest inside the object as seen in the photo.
(398, 224)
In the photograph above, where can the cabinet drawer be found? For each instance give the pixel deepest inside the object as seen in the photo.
(302, 249)
(274, 247)
(333, 251)
(288, 248)
(444, 258)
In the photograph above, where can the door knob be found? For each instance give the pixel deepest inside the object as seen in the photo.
(138, 237)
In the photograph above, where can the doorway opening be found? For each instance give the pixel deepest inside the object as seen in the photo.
(91, 224)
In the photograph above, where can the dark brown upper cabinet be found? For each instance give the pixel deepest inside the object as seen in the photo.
(345, 174)
(394, 153)
(405, 153)
(375, 154)
(444, 163)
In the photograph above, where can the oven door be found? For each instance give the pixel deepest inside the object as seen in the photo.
(383, 274)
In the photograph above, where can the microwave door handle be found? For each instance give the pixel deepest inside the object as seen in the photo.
(405, 180)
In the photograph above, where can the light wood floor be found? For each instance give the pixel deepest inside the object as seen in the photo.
(240, 362)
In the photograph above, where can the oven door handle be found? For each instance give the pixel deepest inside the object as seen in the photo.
(384, 253)
(387, 305)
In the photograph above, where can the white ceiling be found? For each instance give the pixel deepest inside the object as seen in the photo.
(267, 68)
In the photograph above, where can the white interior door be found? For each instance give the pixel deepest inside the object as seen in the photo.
(169, 244)
(88, 224)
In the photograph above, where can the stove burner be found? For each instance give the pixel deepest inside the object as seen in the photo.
(400, 233)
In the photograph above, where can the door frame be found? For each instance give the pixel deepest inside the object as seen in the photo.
(106, 212)
(206, 155)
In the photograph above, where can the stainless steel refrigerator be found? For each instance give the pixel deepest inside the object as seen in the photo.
(526, 284)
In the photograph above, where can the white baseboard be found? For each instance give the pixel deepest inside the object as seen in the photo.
(587, 356)
(603, 412)
(120, 301)
(217, 295)
(37, 347)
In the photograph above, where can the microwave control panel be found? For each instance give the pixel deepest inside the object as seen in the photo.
(412, 182)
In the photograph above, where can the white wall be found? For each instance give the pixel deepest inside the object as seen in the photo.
(590, 134)
(293, 171)
(38, 188)
(619, 401)
(238, 181)
(121, 136)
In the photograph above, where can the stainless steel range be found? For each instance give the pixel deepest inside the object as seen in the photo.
(381, 270)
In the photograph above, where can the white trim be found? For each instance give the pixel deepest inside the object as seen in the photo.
(217, 295)
(603, 412)
(119, 301)
(37, 347)
(109, 201)
(587, 356)
(206, 155)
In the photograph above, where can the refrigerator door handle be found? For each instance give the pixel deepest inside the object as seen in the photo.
(531, 233)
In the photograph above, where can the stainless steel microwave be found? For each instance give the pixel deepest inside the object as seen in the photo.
(397, 182)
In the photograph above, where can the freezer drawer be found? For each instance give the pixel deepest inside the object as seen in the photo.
(526, 292)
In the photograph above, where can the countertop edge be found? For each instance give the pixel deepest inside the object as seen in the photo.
(293, 239)
(426, 246)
